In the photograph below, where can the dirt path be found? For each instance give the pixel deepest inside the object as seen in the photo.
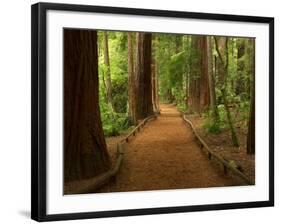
(164, 155)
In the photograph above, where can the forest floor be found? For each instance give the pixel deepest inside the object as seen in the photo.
(165, 155)
(221, 143)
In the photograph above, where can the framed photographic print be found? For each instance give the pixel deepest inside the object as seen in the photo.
(139, 111)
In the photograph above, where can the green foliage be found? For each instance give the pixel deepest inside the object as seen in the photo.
(212, 127)
(119, 92)
(243, 110)
(177, 58)
(222, 114)
(176, 68)
(113, 123)
(240, 112)
(182, 107)
(172, 56)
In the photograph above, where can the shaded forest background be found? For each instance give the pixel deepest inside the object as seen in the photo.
(132, 73)
(211, 76)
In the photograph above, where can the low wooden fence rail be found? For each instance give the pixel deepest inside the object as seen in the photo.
(92, 184)
(212, 154)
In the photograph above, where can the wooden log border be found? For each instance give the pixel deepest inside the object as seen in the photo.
(92, 184)
(211, 154)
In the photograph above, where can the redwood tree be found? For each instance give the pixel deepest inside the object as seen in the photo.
(199, 95)
(204, 80)
(85, 153)
(143, 75)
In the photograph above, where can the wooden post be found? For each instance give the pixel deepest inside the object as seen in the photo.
(224, 169)
(209, 156)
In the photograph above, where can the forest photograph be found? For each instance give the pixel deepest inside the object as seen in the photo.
(157, 111)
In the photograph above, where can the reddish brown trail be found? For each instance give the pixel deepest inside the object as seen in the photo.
(165, 155)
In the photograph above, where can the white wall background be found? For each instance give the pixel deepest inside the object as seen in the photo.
(15, 110)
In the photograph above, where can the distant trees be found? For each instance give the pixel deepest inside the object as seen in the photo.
(85, 153)
(201, 74)
(207, 75)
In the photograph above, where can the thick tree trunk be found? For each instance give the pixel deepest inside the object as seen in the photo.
(251, 125)
(199, 96)
(143, 75)
(131, 80)
(212, 88)
(107, 71)
(85, 153)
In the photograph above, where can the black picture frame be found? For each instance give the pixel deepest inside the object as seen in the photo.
(38, 108)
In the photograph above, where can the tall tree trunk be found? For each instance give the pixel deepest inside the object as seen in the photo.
(143, 75)
(154, 74)
(221, 70)
(188, 77)
(131, 80)
(251, 125)
(224, 62)
(204, 80)
(107, 71)
(156, 97)
(199, 96)
(194, 88)
(212, 88)
(153, 85)
(85, 153)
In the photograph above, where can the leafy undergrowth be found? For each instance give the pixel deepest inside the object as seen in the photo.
(114, 123)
